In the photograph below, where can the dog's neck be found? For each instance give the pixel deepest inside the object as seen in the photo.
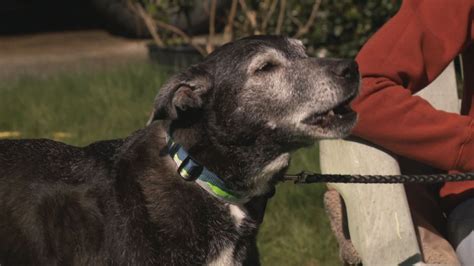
(143, 165)
(191, 170)
(247, 169)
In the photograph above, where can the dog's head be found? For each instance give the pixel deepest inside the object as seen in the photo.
(263, 92)
(265, 83)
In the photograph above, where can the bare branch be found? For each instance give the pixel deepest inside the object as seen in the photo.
(295, 20)
(314, 11)
(229, 27)
(281, 16)
(212, 27)
(268, 16)
(153, 25)
(150, 24)
(182, 34)
(250, 15)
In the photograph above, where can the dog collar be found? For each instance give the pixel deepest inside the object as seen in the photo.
(190, 170)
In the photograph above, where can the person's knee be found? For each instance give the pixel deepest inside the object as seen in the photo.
(461, 230)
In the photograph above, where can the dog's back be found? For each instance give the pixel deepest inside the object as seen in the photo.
(63, 205)
(50, 202)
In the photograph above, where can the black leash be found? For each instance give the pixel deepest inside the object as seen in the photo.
(308, 178)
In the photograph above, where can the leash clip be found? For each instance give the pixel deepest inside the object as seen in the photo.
(299, 178)
(302, 176)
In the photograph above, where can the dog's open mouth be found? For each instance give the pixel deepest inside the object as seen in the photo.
(339, 114)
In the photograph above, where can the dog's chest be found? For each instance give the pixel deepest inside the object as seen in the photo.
(207, 232)
(231, 251)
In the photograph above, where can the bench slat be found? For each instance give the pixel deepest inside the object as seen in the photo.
(380, 222)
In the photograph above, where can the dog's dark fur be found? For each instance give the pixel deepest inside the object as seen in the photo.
(121, 202)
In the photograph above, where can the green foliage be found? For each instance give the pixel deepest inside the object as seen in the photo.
(343, 26)
(165, 9)
(340, 29)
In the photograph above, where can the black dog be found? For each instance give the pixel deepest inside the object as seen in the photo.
(182, 190)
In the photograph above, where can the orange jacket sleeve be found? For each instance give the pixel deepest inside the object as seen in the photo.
(405, 55)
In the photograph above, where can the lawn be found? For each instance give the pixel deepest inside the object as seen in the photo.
(80, 108)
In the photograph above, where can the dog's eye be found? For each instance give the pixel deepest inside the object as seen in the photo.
(266, 67)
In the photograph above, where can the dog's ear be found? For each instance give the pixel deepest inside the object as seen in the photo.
(183, 91)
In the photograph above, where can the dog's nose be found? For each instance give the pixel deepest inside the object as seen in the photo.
(347, 69)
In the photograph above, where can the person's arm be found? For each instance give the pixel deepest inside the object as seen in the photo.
(404, 56)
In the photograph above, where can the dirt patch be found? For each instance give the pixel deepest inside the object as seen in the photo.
(46, 53)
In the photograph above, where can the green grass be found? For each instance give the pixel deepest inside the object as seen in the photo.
(79, 108)
(295, 229)
(88, 106)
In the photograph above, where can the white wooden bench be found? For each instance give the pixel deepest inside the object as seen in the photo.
(380, 224)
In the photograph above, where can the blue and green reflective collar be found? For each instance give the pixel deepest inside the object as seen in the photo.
(190, 170)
